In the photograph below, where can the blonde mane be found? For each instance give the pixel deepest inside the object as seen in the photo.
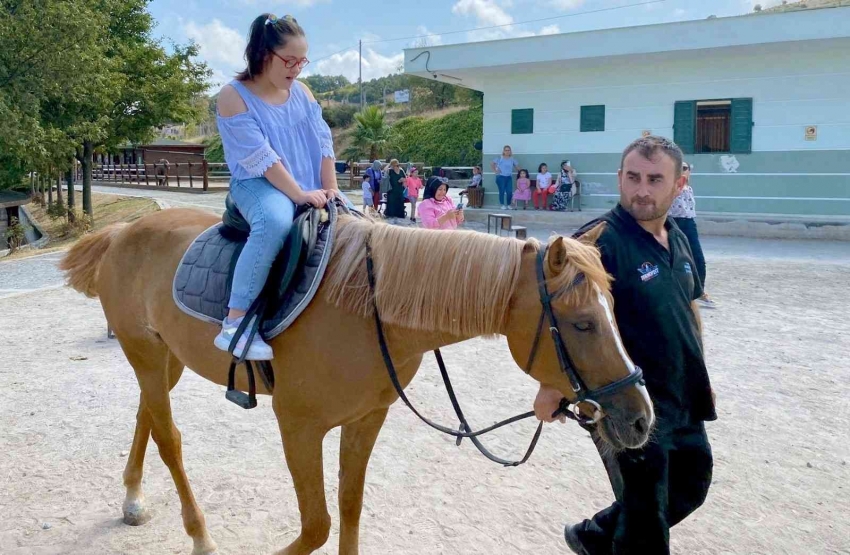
(460, 283)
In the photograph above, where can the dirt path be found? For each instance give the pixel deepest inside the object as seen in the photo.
(777, 349)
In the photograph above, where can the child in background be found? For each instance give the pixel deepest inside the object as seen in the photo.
(541, 191)
(413, 184)
(367, 192)
(523, 189)
(476, 177)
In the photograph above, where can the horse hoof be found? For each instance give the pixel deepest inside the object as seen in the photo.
(135, 514)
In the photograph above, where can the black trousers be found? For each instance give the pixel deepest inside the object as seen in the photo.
(689, 228)
(655, 488)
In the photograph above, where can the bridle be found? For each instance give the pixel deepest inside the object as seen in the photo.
(571, 409)
(596, 398)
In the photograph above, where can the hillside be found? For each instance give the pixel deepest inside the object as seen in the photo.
(803, 5)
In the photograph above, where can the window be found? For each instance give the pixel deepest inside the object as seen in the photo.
(592, 118)
(710, 126)
(714, 126)
(522, 121)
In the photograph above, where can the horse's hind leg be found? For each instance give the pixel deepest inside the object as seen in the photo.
(302, 445)
(154, 380)
(135, 512)
(358, 439)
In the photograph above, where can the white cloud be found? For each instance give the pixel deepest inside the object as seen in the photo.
(219, 45)
(427, 38)
(566, 4)
(375, 64)
(763, 3)
(296, 3)
(487, 12)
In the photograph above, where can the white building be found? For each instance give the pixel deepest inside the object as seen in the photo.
(759, 103)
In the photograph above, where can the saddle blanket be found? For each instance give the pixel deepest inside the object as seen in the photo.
(201, 285)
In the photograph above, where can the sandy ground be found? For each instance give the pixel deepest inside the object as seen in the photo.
(777, 350)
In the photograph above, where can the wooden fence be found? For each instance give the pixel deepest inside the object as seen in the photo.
(162, 175)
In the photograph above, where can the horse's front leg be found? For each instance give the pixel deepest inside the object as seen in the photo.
(356, 444)
(302, 445)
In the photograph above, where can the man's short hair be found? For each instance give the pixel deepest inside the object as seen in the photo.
(649, 146)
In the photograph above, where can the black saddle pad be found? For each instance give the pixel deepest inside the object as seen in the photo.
(202, 283)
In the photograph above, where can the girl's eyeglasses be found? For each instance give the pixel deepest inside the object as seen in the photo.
(291, 62)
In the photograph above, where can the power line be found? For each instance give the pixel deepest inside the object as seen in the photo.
(600, 10)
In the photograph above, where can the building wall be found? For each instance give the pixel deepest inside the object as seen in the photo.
(792, 86)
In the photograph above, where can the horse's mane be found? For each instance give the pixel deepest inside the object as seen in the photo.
(460, 283)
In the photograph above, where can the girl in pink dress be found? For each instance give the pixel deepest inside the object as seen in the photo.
(523, 189)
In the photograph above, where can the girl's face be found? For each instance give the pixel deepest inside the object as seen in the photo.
(544, 168)
(506, 151)
(293, 54)
(565, 166)
(475, 171)
(441, 192)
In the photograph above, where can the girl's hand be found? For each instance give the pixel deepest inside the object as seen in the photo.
(331, 193)
(314, 198)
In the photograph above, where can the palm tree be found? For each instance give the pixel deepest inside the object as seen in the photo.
(371, 135)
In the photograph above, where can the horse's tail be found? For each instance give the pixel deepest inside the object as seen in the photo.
(82, 263)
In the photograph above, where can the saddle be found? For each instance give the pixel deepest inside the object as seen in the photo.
(204, 278)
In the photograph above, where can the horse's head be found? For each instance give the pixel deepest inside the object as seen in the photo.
(582, 308)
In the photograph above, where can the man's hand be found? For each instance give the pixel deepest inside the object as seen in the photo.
(546, 403)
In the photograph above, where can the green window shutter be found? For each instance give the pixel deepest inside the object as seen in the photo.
(741, 141)
(522, 121)
(685, 125)
(592, 118)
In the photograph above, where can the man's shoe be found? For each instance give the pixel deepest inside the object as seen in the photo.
(573, 541)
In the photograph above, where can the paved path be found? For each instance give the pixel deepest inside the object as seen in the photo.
(37, 273)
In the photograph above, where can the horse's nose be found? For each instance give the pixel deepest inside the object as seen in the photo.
(641, 425)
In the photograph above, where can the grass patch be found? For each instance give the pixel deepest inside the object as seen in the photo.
(108, 209)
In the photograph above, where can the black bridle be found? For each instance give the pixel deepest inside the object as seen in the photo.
(566, 408)
(596, 398)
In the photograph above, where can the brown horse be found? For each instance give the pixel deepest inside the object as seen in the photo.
(328, 368)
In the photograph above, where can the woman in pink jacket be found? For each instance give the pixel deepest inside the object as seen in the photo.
(438, 211)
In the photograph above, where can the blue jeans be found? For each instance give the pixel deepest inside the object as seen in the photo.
(270, 213)
(506, 189)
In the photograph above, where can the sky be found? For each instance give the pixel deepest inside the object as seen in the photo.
(219, 27)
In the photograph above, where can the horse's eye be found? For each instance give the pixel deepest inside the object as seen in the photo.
(584, 326)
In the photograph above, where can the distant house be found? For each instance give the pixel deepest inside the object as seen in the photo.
(173, 151)
(759, 103)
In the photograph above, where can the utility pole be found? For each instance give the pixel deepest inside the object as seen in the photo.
(360, 43)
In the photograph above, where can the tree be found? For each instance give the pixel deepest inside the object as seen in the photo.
(325, 83)
(45, 49)
(371, 136)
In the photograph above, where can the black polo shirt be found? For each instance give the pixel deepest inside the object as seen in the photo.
(653, 288)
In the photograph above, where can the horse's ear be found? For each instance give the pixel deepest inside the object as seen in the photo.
(556, 258)
(591, 236)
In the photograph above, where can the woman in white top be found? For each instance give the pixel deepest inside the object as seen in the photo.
(684, 212)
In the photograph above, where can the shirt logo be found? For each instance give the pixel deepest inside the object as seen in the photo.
(647, 271)
(688, 268)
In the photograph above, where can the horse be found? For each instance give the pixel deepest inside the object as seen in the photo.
(328, 368)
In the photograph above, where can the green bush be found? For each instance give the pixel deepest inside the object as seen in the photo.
(445, 141)
(15, 234)
(214, 151)
(341, 115)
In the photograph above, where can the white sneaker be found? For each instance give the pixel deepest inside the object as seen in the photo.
(259, 349)
(706, 302)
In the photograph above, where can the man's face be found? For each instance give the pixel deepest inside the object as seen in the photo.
(648, 187)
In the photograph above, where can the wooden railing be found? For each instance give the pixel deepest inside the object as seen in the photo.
(162, 175)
